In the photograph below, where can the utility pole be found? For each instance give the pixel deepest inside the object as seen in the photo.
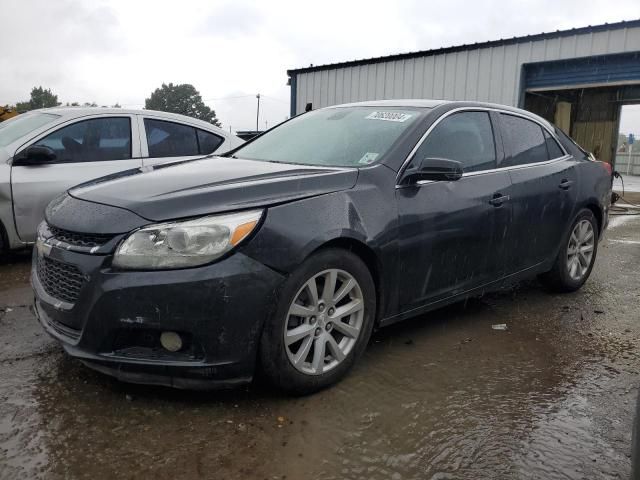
(257, 112)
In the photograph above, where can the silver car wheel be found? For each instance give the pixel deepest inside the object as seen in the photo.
(324, 322)
(580, 249)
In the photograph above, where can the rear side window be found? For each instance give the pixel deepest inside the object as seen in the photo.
(98, 139)
(208, 142)
(552, 146)
(525, 142)
(466, 137)
(168, 139)
(570, 145)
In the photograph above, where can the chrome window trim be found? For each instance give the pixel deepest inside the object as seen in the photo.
(480, 172)
(492, 170)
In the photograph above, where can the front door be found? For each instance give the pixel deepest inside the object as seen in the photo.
(85, 150)
(452, 233)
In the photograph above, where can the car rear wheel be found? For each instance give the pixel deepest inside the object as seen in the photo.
(4, 243)
(322, 323)
(577, 255)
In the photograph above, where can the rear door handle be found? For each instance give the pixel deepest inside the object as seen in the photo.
(498, 199)
(565, 184)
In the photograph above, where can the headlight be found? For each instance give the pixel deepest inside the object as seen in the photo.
(185, 244)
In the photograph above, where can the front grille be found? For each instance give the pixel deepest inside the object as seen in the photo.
(88, 240)
(60, 280)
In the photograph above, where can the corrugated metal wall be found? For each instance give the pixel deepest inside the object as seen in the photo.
(490, 74)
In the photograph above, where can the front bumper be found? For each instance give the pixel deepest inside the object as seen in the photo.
(114, 324)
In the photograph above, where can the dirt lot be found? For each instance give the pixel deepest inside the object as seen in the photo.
(440, 396)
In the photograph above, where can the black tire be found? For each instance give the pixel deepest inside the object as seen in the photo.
(558, 278)
(4, 243)
(274, 362)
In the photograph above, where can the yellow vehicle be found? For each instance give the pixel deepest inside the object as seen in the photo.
(7, 112)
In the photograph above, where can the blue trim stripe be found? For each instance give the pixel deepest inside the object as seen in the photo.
(578, 71)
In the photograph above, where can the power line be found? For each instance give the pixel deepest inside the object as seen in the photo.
(276, 99)
(227, 98)
(232, 97)
(244, 96)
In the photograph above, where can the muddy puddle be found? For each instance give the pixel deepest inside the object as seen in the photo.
(444, 396)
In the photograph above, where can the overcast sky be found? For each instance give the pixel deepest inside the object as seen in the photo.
(111, 51)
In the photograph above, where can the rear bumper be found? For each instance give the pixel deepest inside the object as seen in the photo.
(115, 324)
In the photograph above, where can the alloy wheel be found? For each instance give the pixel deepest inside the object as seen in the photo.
(580, 249)
(324, 322)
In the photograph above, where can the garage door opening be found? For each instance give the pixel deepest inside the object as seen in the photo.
(591, 116)
(584, 96)
(627, 160)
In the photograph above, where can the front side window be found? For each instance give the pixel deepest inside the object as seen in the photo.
(340, 137)
(466, 137)
(169, 139)
(16, 127)
(525, 141)
(95, 140)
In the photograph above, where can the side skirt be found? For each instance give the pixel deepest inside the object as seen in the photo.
(497, 285)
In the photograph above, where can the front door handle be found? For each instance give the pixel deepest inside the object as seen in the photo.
(498, 199)
(565, 184)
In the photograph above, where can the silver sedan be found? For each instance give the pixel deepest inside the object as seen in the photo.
(45, 152)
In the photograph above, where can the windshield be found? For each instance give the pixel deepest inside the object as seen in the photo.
(11, 130)
(343, 136)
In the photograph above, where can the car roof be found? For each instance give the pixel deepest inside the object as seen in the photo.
(432, 103)
(77, 112)
(423, 103)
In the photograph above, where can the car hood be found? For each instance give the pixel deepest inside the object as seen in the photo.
(211, 185)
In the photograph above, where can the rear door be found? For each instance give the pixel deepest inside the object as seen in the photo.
(85, 148)
(452, 233)
(165, 141)
(544, 190)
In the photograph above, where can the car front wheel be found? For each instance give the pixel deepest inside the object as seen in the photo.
(322, 323)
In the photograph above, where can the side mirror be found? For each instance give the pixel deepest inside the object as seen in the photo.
(435, 169)
(35, 155)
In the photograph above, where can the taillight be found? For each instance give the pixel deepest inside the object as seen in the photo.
(607, 167)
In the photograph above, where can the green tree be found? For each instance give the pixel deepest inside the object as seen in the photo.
(183, 99)
(40, 98)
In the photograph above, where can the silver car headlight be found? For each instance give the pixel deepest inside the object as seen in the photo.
(185, 244)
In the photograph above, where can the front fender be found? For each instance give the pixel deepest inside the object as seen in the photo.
(366, 214)
(7, 225)
(291, 232)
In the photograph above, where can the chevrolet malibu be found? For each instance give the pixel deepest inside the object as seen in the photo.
(283, 255)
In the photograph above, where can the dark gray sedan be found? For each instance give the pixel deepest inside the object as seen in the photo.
(283, 255)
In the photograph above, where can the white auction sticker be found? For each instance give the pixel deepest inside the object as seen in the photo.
(368, 158)
(389, 116)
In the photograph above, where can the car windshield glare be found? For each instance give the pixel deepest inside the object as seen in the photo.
(339, 137)
(11, 130)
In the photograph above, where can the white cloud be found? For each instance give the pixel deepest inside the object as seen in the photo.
(112, 51)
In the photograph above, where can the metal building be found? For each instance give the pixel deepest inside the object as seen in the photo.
(576, 78)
